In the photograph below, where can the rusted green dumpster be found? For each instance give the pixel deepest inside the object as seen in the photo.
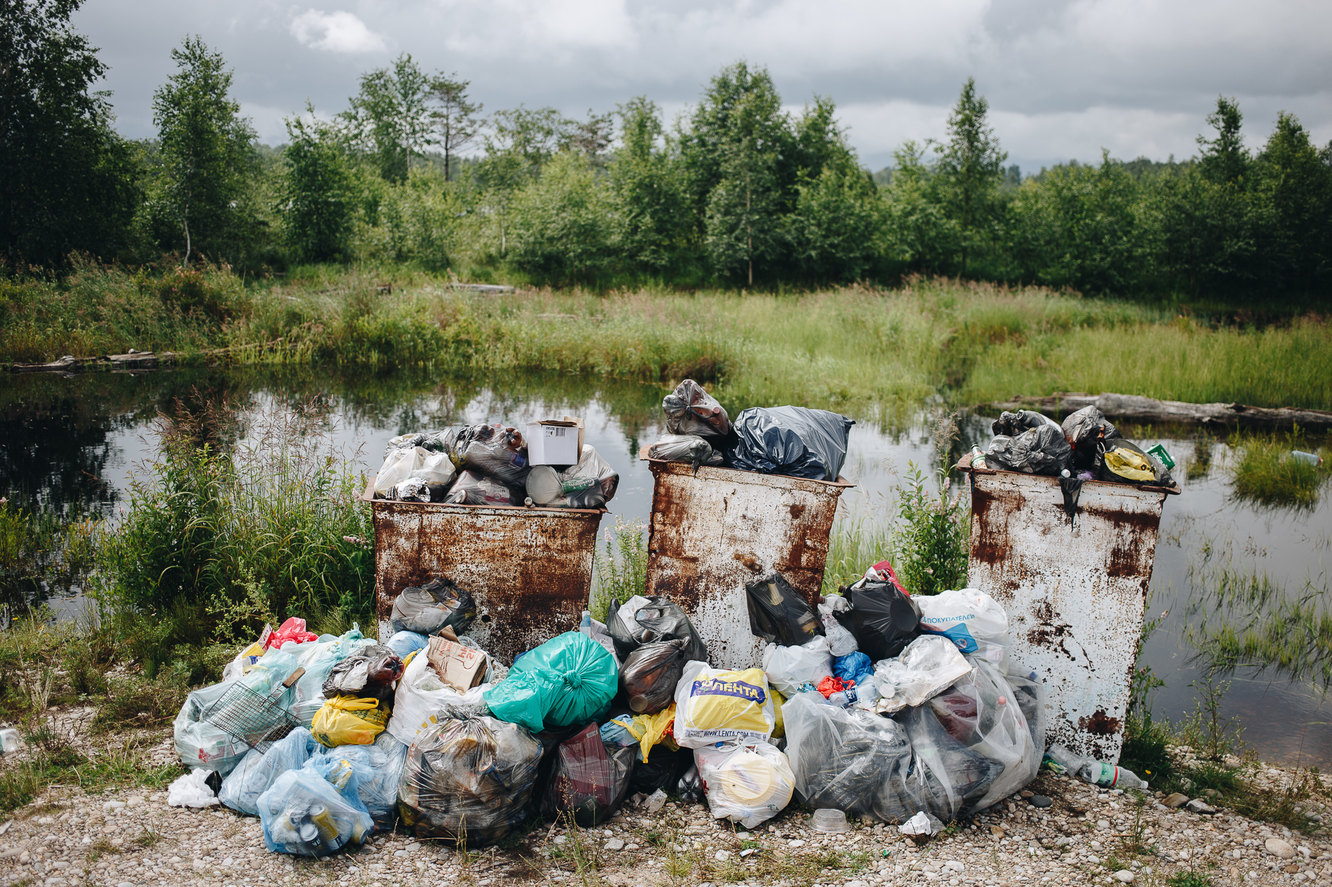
(530, 569)
(1074, 589)
(713, 531)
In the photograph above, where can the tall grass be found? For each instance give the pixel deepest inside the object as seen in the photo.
(42, 553)
(1267, 473)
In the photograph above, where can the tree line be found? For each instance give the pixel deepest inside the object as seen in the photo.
(736, 192)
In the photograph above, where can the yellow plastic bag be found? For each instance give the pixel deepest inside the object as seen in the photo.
(349, 720)
(720, 705)
(1129, 464)
(779, 725)
(651, 730)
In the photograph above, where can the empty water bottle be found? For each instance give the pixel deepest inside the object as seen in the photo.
(1306, 458)
(1102, 773)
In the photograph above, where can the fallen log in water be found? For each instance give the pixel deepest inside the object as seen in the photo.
(1133, 408)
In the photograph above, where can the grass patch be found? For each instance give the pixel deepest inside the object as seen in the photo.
(1190, 879)
(1267, 472)
(621, 572)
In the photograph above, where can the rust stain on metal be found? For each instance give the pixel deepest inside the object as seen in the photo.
(530, 569)
(712, 532)
(1099, 723)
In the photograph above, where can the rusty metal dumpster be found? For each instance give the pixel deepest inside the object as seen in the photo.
(1075, 590)
(713, 531)
(530, 569)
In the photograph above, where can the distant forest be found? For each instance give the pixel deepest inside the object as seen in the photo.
(414, 171)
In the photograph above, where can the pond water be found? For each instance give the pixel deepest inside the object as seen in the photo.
(76, 442)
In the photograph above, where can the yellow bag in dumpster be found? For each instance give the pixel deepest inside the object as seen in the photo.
(349, 720)
(779, 725)
(650, 730)
(717, 705)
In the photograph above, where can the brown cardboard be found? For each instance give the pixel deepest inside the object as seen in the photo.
(462, 668)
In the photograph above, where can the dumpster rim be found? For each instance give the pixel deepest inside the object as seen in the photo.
(841, 482)
(369, 496)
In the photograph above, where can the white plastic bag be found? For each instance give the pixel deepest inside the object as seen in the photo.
(928, 665)
(966, 616)
(787, 668)
(840, 641)
(191, 790)
(413, 462)
(722, 705)
(422, 700)
(748, 784)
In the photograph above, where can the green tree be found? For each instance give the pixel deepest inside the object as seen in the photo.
(1293, 201)
(454, 117)
(651, 204)
(562, 221)
(743, 221)
(66, 179)
(519, 142)
(1224, 158)
(207, 151)
(320, 191)
(970, 169)
(391, 116)
(920, 235)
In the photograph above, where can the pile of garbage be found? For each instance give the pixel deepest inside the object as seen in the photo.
(793, 441)
(490, 465)
(876, 703)
(1087, 446)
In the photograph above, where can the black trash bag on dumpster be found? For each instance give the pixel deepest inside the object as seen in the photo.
(468, 780)
(691, 410)
(779, 614)
(1123, 461)
(882, 618)
(370, 672)
(689, 448)
(793, 441)
(648, 677)
(1085, 430)
(494, 451)
(1041, 450)
(589, 780)
(429, 608)
(1013, 424)
(657, 620)
(846, 758)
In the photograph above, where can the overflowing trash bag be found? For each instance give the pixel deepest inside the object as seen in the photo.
(1086, 430)
(370, 671)
(927, 666)
(414, 466)
(314, 811)
(260, 768)
(429, 608)
(1014, 423)
(650, 673)
(691, 448)
(1125, 461)
(423, 700)
(1040, 450)
(745, 783)
(469, 780)
(644, 620)
(566, 681)
(790, 668)
(691, 410)
(793, 441)
(493, 451)
(846, 758)
(881, 617)
(589, 484)
(589, 780)
(779, 614)
(473, 488)
(722, 705)
(378, 768)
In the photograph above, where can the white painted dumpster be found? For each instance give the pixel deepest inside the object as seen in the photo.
(1074, 589)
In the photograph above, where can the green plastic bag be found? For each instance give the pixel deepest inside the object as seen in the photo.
(568, 680)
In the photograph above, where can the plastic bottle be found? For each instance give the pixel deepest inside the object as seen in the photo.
(977, 458)
(1100, 773)
(1307, 458)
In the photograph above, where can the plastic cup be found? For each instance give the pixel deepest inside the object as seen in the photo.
(829, 822)
(9, 740)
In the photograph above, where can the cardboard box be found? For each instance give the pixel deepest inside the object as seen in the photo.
(462, 668)
(555, 441)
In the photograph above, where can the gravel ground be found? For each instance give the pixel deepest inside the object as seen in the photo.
(1086, 836)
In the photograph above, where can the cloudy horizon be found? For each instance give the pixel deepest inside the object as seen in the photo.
(1063, 80)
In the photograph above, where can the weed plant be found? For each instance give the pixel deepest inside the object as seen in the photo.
(856, 542)
(42, 553)
(622, 572)
(215, 544)
(932, 537)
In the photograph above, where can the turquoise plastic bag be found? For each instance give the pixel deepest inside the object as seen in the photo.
(568, 680)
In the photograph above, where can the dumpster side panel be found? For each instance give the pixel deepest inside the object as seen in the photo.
(530, 570)
(1074, 592)
(712, 532)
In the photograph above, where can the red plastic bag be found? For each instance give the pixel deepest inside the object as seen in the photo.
(292, 630)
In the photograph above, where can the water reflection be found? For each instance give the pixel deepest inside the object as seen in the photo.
(73, 443)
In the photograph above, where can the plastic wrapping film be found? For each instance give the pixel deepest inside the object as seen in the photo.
(469, 780)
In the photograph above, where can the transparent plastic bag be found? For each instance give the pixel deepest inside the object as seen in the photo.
(378, 769)
(405, 643)
(314, 811)
(648, 677)
(472, 488)
(589, 779)
(691, 410)
(589, 484)
(493, 451)
(966, 616)
(722, 705)
(927, 666)
(790, 668)
(423, 700)
(258, 770)
(469, 780)
(200, 745)
(431, 607)
(646, 620)
(434, 471)
(747, 784)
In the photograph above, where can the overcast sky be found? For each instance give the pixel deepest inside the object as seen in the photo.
(1064, 78)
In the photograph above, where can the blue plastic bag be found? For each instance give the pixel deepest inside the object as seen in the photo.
(568, 680)
(404, 643)
(378, 769)
(854, 666)
(314, 811)
(259, 769)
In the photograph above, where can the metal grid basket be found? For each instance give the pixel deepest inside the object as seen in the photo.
(251, 717)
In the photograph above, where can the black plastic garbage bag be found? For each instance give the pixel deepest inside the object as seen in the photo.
(1085, 430)
(662, 770)
(648, 677)
(882, 618)
(1040, 450)
(494, 451)
(369, 672)
(779, 614)
(691, 410)
(794, 441)
(657, 620)
(428, 608)
(590, 779)
(1014, 424)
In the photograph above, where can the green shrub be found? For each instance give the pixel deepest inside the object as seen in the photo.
(932, 538)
